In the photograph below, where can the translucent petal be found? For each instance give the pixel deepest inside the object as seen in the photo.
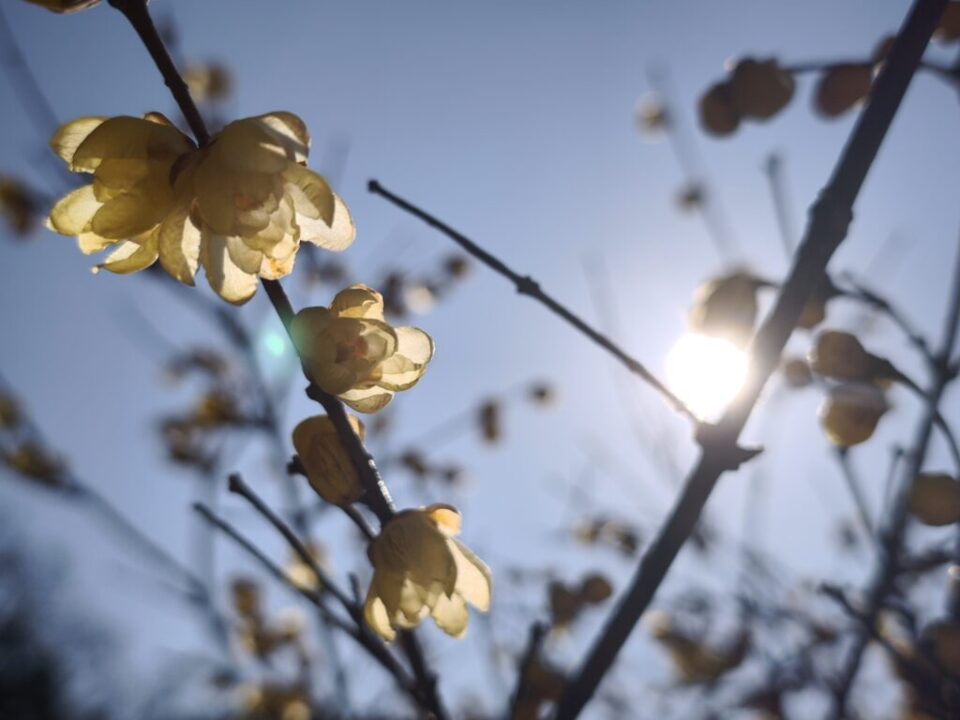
(131, 257)
(335, 237)
(367, 400)
(375, 613)
(445, 517)
(68, 138)
(398, 373)
(90, 242)
(73, 212)
(129, 137)
(289, 132)
(274, 269)
(226, 279)
(126, 216)
(310, 193)
(244, 257)
(414, 344)
(474, 580)
(179, 245)
(451, 616)
(358, 301)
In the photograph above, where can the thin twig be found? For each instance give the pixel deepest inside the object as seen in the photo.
(526, 285)
(773, 169)
(830, 217)
(531, 653)
(359, 633)
(856, 490)
(888, 567)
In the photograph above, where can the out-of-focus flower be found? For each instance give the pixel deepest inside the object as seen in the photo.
(328, 466)
(949, 28)
(491, 427)
(567, 601)
(727, 306)
(420, 569)
(272, 701)
(239, 206)
(934, 499)
(943, 638)
(842, 88)
(604, 531)
(850, 414)
(10, 414)
(760, 89)
(796, 373)
(208, 82)
(756, 89)
(651, 116)
(18, 206)
(694, 660)
(217, 408)
(351, 352)
(840, 356)
(691, 197)
(246, 596)
(35, 463)
(65, 6)
(301, 574)
(542, 683)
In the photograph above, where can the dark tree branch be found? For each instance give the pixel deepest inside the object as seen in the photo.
(829, 219)
(526, 285)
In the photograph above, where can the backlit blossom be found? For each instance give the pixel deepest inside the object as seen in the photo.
(65, 6)
(328, 466)
(351, 352)
(239, 206)
(420, 569)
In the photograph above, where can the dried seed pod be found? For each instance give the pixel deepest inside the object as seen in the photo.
(943, 639)
(760, 88)
(718, 114)
(935, 499)
(840, 356)
(595, 588)
(796, 373)
(851, 412)
(842, 88)
(727, 306)
(489, 417)
(949, 28)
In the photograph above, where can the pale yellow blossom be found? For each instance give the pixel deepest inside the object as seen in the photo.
(420, 569)
(65, 6)
(328, 466)
(351, 352)
(239, 206)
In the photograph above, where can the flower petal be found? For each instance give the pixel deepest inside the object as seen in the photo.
(243, 256)
(130, 257)
(310, 193)
(450, 614)
(227, 280)
(358, 301)
(288, 132)
(414, 344)
(474, 580)
(179, 245)
(128, 137)
(375, 613)
(74, 211)
(367, 400)
(336, 236)
(126, 216)
(68, 138)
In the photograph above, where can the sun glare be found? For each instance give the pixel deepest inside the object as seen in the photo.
(706, 373)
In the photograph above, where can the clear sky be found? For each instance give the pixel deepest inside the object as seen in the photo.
(513, 121)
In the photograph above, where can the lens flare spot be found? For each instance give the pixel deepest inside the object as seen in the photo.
(706, 373)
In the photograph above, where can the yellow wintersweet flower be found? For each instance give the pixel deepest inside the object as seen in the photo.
(239, 206)
(420, 569)
(328, 466)
(65, 6)
(351, 352)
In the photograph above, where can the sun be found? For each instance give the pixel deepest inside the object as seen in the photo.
(706, 373)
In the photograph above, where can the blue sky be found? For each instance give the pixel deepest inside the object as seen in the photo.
(513, 121)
